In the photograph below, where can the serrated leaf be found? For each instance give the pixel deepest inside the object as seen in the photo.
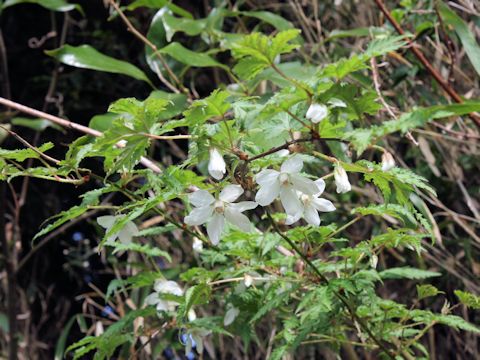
(407, 273)
(144, 249)
(427, 290)
(468, 299)
(189, 57)
(24, 154)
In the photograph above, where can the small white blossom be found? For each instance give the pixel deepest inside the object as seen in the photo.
(312, 204)
(124, 235)
(317, 112)
(285, 183)
(388, 162)
(341, 180)
(215, 212)
(164, 287)
(197, 245)
(216, 165)
(230, 315)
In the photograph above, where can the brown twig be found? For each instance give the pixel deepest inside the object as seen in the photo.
(421, 57)
(154, 48)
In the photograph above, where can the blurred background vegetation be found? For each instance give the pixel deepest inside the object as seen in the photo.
(61, 279)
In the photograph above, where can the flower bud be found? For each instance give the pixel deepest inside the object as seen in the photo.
(216, 165)
(197, 245)
(317, 112)
(388, 162)
(341, 180)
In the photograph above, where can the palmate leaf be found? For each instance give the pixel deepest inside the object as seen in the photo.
(257, 51)
(215, 105)
(427, 290)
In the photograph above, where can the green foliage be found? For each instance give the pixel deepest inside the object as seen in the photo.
(86, 57)
(468, 299)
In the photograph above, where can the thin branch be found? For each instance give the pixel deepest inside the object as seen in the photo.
(421, 57)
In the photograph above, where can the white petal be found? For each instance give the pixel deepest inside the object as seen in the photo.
(152, 299)
(266, 177)
(168, 287)
(231, 193)
(238, 219)
(388, 162)
(292, 165)
(267, 193)
(197, 245)
(337, 102)
(292, 219)
(311, 215)
(163, 305)
(230, 316)
(243, 205)
(201, 198)
(317, 112)
(290, 201)
(199, 341)
(106, 221)
(215, 228)
(303, 184)
(321, 186)
(198, 216)
(216, 165)
(323, 204)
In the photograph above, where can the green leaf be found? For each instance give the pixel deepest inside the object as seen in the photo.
(144, 249)
(268, 17)
(143, 279)
(357, 32)
(54, 5)
(196, 295)
(468, 299)
(35, 124)
(158, 4)
(62, 340)
(407, 273)
(24, 154)
(427, 290)
(188, 26)
(457, 322)
(189, 57)
(86, 57)
(102, 122)
(215, 105)
(465, 35)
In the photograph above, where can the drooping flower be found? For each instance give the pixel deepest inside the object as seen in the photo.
(312, 204)
(317, 112)
(284, 183)
(341, 180)
(216, 165)
(124, 235)
(215, 212)
(388, 162)
(164, 287)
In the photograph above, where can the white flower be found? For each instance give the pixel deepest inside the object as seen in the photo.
(197, 245)
(216, 164)
(164, 287)
(341, 180)
(312, 204)
(317, 112)
(214, 212)
(124, 235)
(230, 315)
(285, 183)
(388, 162)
